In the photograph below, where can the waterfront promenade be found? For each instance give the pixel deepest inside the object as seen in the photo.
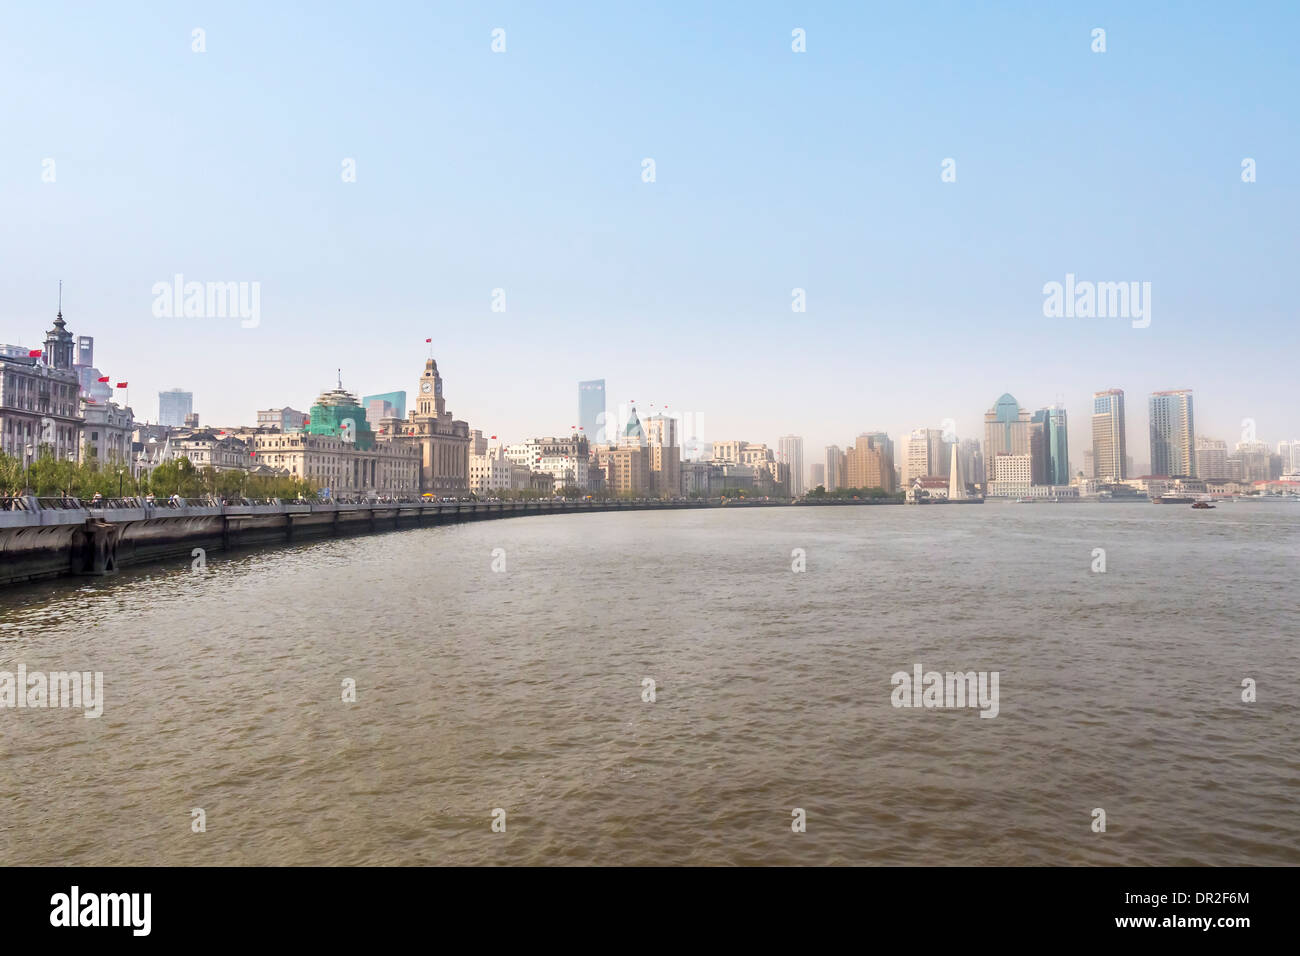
(53, 537)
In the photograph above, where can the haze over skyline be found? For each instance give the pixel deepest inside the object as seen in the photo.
(774, 170)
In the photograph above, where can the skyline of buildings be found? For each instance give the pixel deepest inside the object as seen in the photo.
(1049, 463)
(355, 445)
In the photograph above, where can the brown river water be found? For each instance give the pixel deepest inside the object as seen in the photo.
(521, 689)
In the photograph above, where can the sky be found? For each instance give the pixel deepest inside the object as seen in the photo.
(126, 158)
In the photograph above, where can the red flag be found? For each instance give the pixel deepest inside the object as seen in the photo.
(120, 385)
(428, 340)
(104, 379)
(35, 353)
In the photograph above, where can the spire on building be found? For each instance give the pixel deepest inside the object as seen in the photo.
(58, 340)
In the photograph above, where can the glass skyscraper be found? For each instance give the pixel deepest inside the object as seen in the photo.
(591, 410)
(1055, 445)
(173, 406)
(396, 399)
(1173, 433)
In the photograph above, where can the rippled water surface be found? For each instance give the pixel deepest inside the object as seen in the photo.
(523, 690)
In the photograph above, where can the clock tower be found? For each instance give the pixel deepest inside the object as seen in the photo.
(431, 403)
(443, 441)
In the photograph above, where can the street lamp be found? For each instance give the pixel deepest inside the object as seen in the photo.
(28, 481)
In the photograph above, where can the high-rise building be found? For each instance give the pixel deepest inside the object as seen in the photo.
(1173, 433)
(1289, 452)
(818, 475)
(917, 460)
(665, 465)
(591, 411)
(628, 469)
(173, 406)
(397, 400)
(83, 363)
(789, 452)
(662, 430)
(1053, 445)
(1254, 457)
(1109, 452)
(885, 445)
(377, 409)
(834, 467)
(1006, 432)
(870, 462)
(1211, 459)
(665, 456)
(85, 353)
(940, 453)
(972, 459)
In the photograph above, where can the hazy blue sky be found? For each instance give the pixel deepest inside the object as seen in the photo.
(522, 171)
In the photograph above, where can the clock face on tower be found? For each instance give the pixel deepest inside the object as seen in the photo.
(427, 386)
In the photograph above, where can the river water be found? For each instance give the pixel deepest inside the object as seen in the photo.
(521, 689)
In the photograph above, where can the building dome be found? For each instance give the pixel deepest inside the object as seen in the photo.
(337, 412)
(633, 429)
(1007, 409)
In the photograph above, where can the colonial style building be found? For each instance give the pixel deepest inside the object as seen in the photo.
(342, 466)
(494, 471)
(566, 459)
(337, 450)
(106, 437)
(285, 419)
(627, 471)
(207, 449)
(40, 403)
(441, 441)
